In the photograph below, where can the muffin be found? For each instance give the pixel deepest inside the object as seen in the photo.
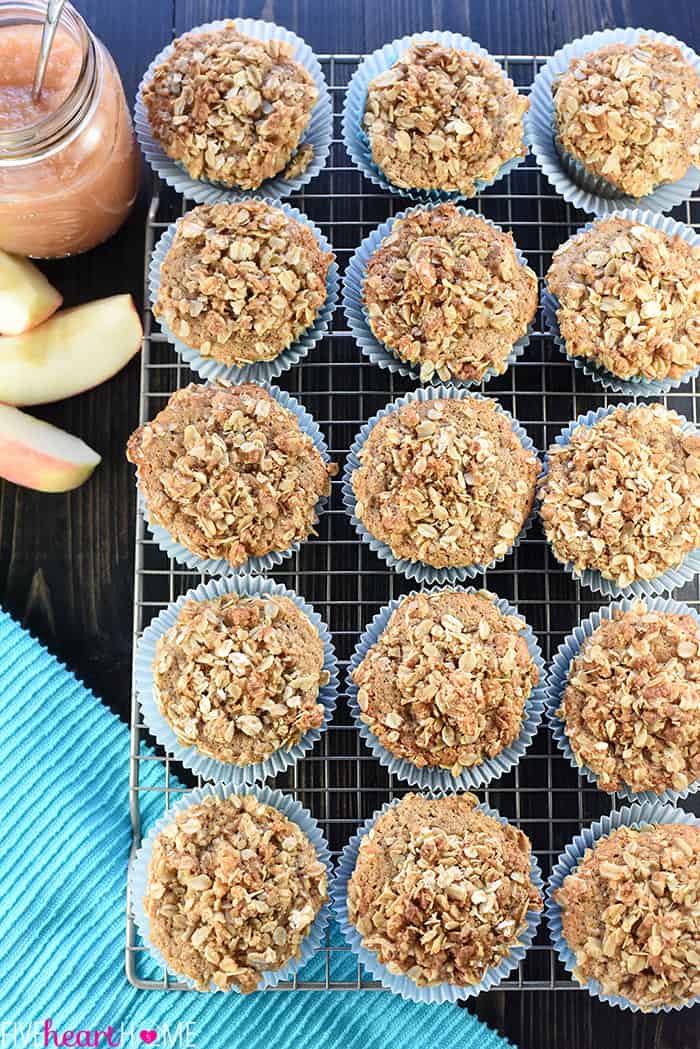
(443, 119)
(445, 684)
(234, 887)
(622, 496)
(241, 282)
(630, 114)
(630, 914)
(228, 472)
(238, 676)
(229, 107)
(440, 891)
(631, 706)
(628, 299)
(445, 481)
(445, 292)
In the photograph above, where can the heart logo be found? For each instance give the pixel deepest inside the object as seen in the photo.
(148, 1036)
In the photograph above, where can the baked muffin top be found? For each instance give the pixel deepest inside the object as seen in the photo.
(631, 114)
(631, 705)
(234, 886)
(445, 684)
(440, 118)
(238, 677)
(440, 891)
(622, 497)
(229, 107)
(630, 914)
(241, 282)
(228, 471)
(445, 291)
(446, 482)
(629, 299)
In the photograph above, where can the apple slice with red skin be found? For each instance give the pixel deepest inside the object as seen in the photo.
(72, 351)
(26, 297)
(38, 455)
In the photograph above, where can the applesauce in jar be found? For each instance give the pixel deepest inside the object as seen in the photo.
(69, 165)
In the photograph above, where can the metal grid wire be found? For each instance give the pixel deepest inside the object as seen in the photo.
(340, 782)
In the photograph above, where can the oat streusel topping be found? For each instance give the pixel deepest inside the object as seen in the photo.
(440, 891)
(632, 702)
(228, 471)
(446, 683)
(445, 291)
(446, 482)
(440, 118)
(629, 299)
(631, 914)
(631, 114)
(238, 677)
(622, 497)
(229, 107)
(241, 282)
(234, 886)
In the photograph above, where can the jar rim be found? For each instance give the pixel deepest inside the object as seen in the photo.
(45, 136)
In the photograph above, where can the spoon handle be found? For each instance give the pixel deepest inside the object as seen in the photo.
(54, 9)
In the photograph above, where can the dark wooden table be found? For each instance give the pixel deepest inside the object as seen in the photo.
(66, 560)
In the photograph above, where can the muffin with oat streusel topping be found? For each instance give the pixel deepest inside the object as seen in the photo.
(628, 299)
(631, 704)
(241, 282)
(442, 118)
(446, 482)
(630, 114)
(238, 676)
(446, 682)
(622, 496)
(234, 887)
(630, 913)
(441, 891)
(445, 292)
(229, 107)
(228, 472)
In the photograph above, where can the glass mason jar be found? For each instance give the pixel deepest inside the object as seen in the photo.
(70, 176)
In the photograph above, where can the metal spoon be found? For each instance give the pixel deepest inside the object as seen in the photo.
(54, 9)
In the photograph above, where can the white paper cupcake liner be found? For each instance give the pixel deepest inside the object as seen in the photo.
(630, 816)
(431, 777)
(403, 985)
(567, 175)
(557, 680)
(417, 570)
(356, 141)
(318, 133)
(260, 371)
(138, 876)
(636, 386)
(203, 765)
(669, 580)
(356, 312)
(220, 566)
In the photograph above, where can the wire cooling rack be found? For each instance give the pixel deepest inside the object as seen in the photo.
(340, 782)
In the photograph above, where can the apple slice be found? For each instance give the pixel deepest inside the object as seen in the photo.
(38, 455)
(26, 297)
(72, 351)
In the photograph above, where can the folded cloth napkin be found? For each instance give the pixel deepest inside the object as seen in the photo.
(65, 843)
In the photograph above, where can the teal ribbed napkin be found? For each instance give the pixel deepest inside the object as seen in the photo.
(65, 842)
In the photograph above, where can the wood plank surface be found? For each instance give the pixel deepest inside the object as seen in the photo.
(66, 561)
